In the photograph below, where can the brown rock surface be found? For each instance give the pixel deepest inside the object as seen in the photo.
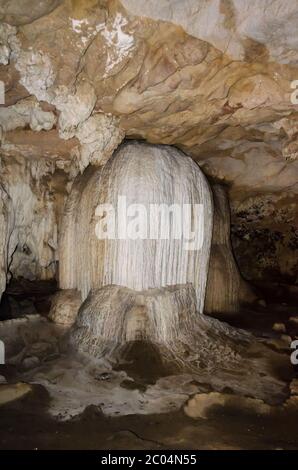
(222, 94)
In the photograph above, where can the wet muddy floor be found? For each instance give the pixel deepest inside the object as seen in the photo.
(25, 424)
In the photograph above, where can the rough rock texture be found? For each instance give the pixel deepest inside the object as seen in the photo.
(30, 202)
(114, 317)
(226, 289)
(233, 26)
(213, 78)
(65, 306)
(30, 339)
(11, 392)
(15, 12)
(201, 405)
(4, 221)
(24, 113)
(99, 137)
(264, 228)
(37, 347)
(150, 246)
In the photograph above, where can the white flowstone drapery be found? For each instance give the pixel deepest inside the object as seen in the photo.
(144, 174)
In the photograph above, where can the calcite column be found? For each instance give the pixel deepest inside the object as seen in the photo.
(146, 175)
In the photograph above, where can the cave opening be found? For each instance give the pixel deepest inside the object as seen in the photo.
(23, 297)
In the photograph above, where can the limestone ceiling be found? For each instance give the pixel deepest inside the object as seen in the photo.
(242, 29)
(211, 77)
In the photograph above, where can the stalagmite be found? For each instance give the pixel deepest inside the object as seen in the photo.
(65, 306)
(114, 316)
(113, 319)
(153, 252)
(226, 289)
(150, 293)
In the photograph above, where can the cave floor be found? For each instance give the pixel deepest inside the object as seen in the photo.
(25, 424)
(34, 421)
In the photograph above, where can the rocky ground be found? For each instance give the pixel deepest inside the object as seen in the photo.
(48, 397)
(25, 424)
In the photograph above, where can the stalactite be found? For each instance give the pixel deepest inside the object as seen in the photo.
(226, 289)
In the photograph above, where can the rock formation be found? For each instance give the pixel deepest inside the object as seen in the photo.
(29, 219)
(158, 102)
(226, 289)
(113, 319)
(152, 291)
(65, 306)
(165, 203)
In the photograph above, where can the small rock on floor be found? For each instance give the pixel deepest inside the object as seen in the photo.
(294, 387)
(279, 327)
(201, 404)
(11, 392)
(31, 362)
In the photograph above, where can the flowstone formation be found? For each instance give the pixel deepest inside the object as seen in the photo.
(114, 321)
(160, 207)
(150, 293)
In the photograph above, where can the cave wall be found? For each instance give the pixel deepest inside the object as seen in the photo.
(265, 237)
(30, 204)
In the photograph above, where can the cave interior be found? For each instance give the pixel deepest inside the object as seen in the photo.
(179, 331)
